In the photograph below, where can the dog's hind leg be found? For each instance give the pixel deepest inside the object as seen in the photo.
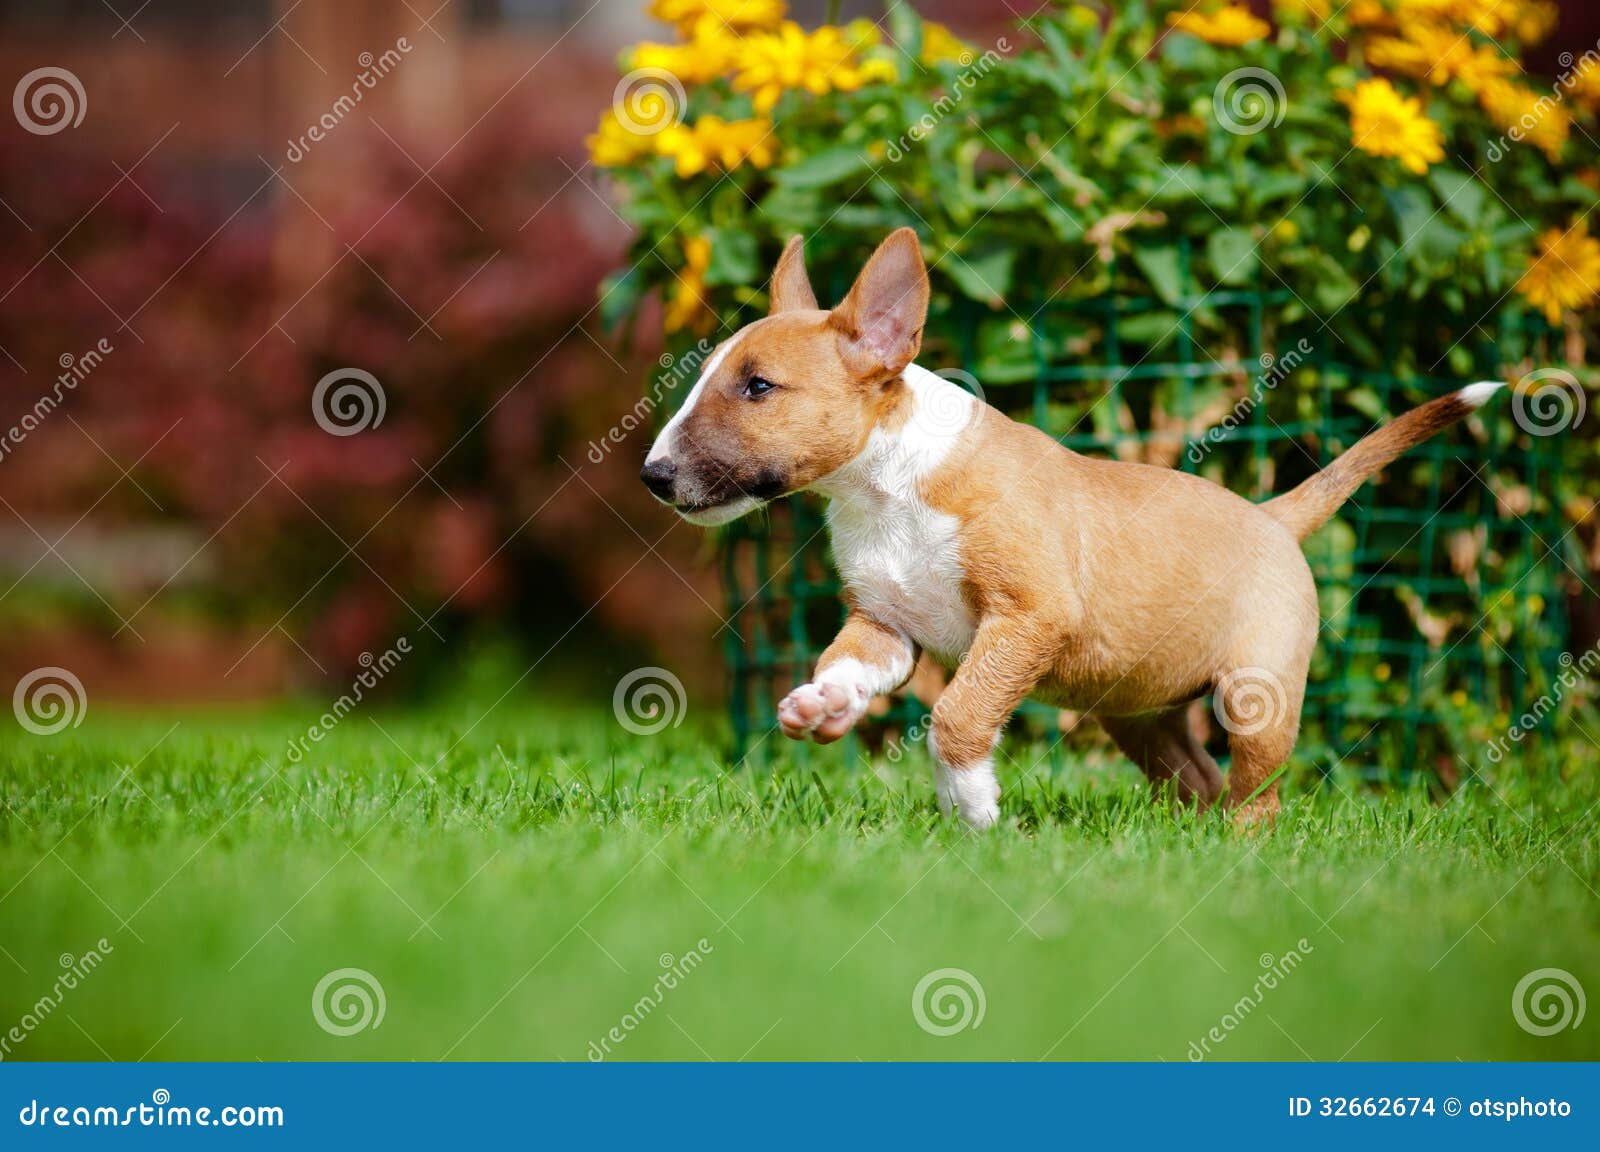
(1260, 708)
(1165, 746)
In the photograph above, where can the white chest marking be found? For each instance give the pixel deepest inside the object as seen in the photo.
(899, 557)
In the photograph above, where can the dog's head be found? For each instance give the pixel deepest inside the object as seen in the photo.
(791, 398)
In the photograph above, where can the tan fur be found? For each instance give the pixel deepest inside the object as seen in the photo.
(1304, 509)
(1115, 589)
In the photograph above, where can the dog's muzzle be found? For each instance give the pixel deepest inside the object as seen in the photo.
(658, 476)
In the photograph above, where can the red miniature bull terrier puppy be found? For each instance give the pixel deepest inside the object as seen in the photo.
(1121, 590)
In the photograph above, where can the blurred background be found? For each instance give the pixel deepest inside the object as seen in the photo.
(180, 269)
(180, 527)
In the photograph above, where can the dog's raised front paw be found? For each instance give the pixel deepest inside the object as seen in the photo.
(823, 711)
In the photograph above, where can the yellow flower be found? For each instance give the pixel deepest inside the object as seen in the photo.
(614, 144)
(1439, 54)
(1316, 9)
(709, 53)
(1583, 80)
(939, 43)
(687, 305)
(1565, 274)
(1233, 25)
(1533, 23)
(818, 62)
(737, 14)
(1370, 14)
(712, 140)
(1531, 116)
(1385, 123)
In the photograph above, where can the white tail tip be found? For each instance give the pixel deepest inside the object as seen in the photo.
(1477, 395)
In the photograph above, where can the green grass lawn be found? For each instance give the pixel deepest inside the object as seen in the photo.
(515, 881)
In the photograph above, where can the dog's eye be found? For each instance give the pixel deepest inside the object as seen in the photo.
(758, 386)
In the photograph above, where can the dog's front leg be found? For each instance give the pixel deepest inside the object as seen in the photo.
(1007, 658)
(865, 660)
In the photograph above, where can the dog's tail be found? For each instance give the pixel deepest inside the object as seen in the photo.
(1305, 508)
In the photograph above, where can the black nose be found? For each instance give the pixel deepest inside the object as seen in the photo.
(658, 476)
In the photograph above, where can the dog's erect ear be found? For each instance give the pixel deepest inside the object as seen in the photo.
(791, 291)
(880, 321)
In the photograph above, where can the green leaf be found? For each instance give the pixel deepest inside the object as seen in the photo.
(985, 277)
(733, 256)
(1232, 252)
(905, 28)
(1462, 196)
(1161, 267)
(1334, 286)
(619, 297)
(825, 167)
(1364, 401)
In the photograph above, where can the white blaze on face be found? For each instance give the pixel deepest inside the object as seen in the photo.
(662, 448)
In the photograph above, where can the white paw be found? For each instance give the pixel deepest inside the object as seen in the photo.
(823, 711)
(943, 791)
(972, 792)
